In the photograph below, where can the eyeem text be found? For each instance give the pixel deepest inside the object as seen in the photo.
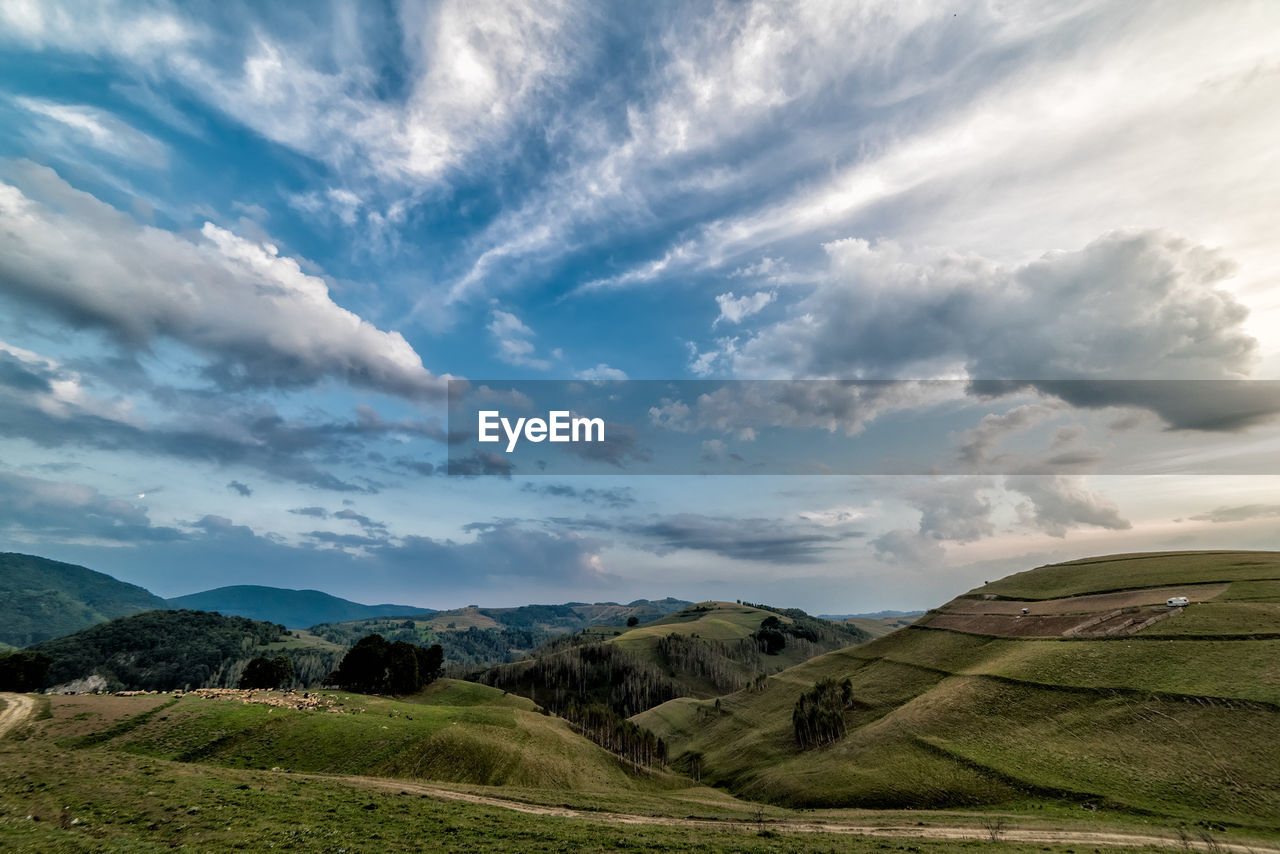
(559, 426)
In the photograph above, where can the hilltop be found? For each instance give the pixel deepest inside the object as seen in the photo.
(1086, 699)
(295, 609)
(166, 650)
(42, 599)
(702, 651)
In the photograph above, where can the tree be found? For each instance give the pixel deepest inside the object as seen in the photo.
(23, 671)
(633, 621)
(374, 666)
(364, 667)
(264, 672)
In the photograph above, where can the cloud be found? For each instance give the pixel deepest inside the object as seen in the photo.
(253, 313)
(1240, 513)
(735, 309)
(1058, 503)
(614, 497)
(97, 128)
(602, 372)
(52, 406)
(768, 540)
(37, 510)
(241, 489)
(363, 521)
(1128, 306)
(504, 551)
(314, 512)
(512, 338)
(977, 444)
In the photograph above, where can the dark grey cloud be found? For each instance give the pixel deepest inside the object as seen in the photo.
(616, 497)
(244, 490)
(1128, 306)
(775, 540)
(345, 540)
(480, 463)
(56, 407)
(363, 521)
(1239, 513)
(314, 512)
(419, 467)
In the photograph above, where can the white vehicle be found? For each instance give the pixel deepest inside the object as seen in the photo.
(1177, 602)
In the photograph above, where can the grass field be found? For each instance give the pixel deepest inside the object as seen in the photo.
(1176, 724)
(453, 732)
(122, 794)
(1126, 572)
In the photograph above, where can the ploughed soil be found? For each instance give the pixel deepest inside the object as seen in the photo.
(1054, 618)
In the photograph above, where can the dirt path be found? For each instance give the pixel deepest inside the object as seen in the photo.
(932, 831)
(18, 707)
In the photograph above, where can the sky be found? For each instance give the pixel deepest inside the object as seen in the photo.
(245, 247)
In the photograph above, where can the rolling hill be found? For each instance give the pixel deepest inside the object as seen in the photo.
(167, 650)
(702, 651)
(295, 609)
(1098, 695)
(42, 599)
(452, 731)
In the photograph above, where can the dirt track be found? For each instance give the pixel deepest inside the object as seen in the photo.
(932, 831)
(18, 708)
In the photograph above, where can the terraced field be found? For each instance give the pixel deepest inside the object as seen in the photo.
(1177, 719)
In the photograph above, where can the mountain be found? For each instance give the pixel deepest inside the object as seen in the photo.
(42, 599)
(296, 609)
(1098, 694)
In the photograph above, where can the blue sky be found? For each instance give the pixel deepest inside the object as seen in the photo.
(243, 247)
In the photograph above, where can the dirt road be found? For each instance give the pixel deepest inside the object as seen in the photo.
(931, 831)
(17, 709)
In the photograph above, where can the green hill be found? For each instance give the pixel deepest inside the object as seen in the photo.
(452, 731)
(474, 638)
(1099, 695)
(42, 599)
(295, 609)
(167, 650)
(702, 651)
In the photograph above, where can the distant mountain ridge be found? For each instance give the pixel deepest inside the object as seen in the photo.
(42, 599)
(296, 609)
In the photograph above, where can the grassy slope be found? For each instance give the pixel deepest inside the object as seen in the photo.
(42, 599)
(944, 719)
(713, 621)
(121, 795)
(454, 732)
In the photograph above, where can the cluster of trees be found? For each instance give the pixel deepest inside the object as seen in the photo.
(616, 734)
(602, 673)
(814, 630)
(727, 665)
(263, 672)
(818, 717)
(378, 666)
(23, 671)
(157, 650)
